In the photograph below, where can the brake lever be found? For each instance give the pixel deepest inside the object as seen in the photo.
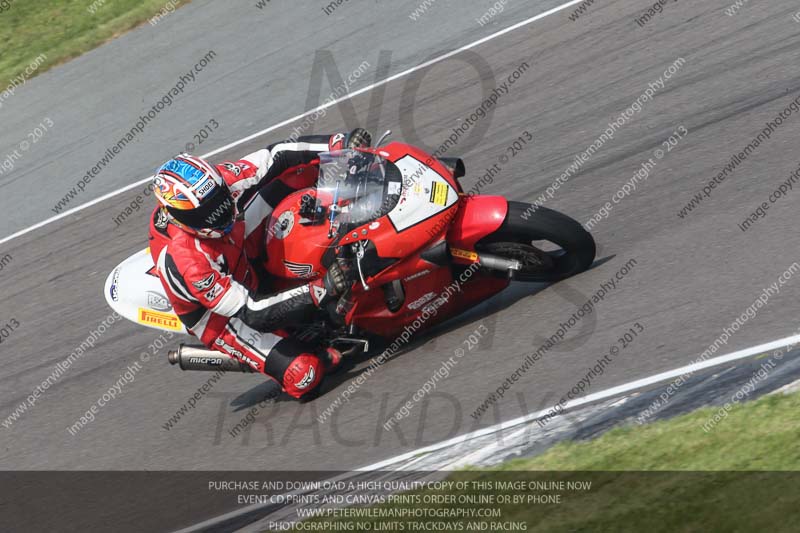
(383, 138)
(359, 256)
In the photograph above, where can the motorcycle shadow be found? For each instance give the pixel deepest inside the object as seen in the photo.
(355, 365)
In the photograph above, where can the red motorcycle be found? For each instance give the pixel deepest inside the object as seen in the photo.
(420, 250)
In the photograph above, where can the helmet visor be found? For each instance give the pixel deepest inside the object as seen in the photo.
(217, 212)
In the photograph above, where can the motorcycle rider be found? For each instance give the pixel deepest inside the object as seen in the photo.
(207, 240)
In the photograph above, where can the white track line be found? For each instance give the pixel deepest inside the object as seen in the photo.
(302, 115)
(602, 395)
(614, 391)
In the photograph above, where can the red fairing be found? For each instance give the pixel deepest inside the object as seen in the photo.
(477, 217)
(430, 293)
(295, 250)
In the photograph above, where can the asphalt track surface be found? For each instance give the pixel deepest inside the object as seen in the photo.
(693, 276)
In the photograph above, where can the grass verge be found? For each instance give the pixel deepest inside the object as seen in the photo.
(742, 475)
(759, 435)
(59, 30)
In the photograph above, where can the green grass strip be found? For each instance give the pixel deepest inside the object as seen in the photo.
(59, 30)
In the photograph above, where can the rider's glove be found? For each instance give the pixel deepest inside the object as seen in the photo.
(336, 279)
(334, 283)
(358, 138)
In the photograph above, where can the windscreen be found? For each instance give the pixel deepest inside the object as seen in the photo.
(356, 187)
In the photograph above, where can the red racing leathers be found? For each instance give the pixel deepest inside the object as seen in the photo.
(213, 283)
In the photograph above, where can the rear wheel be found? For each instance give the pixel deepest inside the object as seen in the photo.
(549, 245)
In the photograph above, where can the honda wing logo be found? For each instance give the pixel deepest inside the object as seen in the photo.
(301, 270)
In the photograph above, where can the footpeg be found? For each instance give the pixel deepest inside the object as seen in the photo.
(358, 345)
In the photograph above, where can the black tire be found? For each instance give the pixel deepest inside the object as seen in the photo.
(523, 226)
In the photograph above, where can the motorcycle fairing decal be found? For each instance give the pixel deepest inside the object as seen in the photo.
(301, 270)
(114, 291)
(422, 300)
(417, 275)
(439, 193)
(161, 320)
(283, 226)
(139, 288)
(422, 181)
(158, 302)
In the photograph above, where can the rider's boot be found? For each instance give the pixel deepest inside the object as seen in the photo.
(331, 359)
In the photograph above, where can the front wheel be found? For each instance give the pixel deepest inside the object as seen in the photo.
(549, 245)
